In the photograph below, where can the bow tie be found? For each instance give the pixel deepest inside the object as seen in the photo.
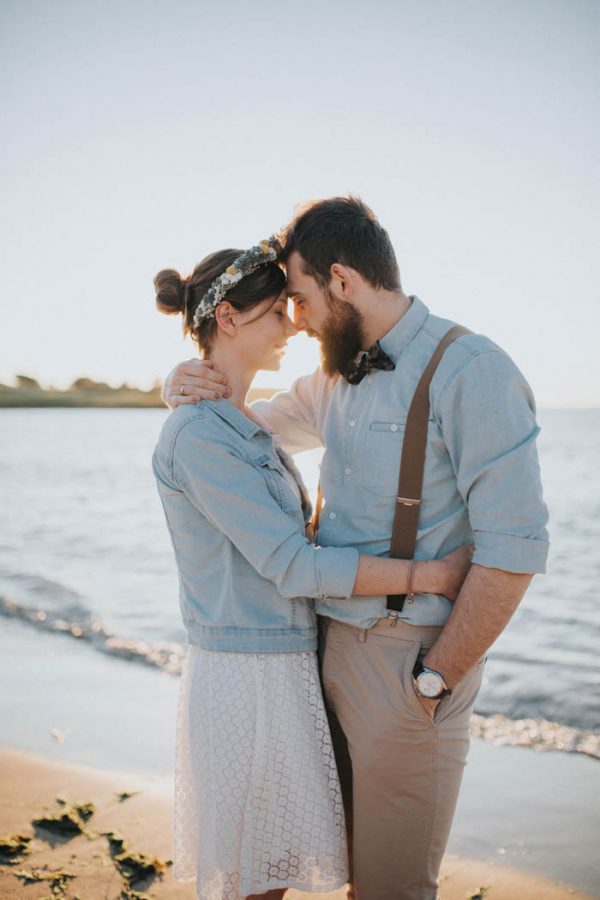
(375, 358)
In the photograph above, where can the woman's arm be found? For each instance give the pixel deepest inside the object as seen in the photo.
(234, 497)
(390, 576)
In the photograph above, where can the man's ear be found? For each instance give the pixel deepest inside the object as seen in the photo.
(225, 318)
(343, 282)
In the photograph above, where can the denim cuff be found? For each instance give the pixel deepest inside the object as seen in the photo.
(336, 571)
(510, 552)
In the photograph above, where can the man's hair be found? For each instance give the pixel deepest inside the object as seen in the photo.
(341, 230)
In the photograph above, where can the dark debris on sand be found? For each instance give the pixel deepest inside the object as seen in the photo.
(70, 821)
(135, 868)
(57, 880)
(126, 795)
(13, 847)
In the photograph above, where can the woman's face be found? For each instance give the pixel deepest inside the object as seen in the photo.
(263, 333)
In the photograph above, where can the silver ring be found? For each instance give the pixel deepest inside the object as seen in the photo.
(182, 390)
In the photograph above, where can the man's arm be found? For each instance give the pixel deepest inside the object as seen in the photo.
(482, 610)
(487, 415)
(295, 415)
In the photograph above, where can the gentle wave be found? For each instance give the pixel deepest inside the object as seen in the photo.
(79, 623)
(538, 734)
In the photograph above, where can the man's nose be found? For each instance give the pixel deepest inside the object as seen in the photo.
(299, 322)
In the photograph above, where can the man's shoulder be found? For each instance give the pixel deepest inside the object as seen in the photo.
(468, 358)
(465, 347)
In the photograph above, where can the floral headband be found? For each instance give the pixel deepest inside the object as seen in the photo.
(250, 260)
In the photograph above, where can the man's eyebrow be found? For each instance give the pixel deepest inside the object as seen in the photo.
(295, 295)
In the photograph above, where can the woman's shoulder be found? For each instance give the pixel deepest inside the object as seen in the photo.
(190, 424)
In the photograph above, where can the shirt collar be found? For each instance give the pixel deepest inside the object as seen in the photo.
(402, 333)
(234, 417)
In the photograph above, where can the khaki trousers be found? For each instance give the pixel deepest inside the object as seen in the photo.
(400, 771)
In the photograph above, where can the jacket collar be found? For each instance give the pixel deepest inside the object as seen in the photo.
(235, 418)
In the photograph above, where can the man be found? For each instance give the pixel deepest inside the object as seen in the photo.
(402, 684)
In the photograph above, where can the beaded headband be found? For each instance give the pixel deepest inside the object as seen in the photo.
(265, 252)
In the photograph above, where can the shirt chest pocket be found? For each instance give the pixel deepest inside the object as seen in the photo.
(278, 484)
(382, 450)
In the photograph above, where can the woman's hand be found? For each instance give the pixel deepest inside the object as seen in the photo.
(446, 575)
(192, 381)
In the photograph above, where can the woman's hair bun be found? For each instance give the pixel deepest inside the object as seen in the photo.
(170, 292)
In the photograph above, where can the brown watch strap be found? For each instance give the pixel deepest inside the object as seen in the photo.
(412, 464)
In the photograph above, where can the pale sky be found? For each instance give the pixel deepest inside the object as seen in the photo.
(143, 134)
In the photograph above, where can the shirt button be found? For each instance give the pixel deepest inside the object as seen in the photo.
(348, 470)
(370, 380)
(332, 515)
(393, 428)
(352, 423)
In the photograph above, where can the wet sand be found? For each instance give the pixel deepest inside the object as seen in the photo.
(100, 857)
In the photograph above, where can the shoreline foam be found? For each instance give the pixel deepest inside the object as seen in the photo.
(539, 734)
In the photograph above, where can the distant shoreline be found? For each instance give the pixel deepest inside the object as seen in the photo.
(102, 398)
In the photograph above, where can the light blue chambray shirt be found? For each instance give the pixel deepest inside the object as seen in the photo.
(247, 573)
(481, 481)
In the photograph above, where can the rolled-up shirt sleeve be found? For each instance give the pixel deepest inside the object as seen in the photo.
(487, 415)
(296, 416)
(234, 497)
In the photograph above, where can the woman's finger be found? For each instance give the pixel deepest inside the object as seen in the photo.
(194, 395)
(197, 377)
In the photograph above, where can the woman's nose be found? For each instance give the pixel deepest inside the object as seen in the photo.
(291, 327)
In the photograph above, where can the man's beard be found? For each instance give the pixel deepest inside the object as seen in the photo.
(341, 336)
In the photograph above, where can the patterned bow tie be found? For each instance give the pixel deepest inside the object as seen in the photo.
(375, 358)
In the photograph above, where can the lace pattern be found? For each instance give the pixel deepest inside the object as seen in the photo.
(257, 797)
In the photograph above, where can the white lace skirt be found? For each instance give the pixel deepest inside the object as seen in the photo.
(257, 798)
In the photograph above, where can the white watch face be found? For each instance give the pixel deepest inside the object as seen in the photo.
(430, 684)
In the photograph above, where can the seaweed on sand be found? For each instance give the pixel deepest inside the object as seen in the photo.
(13, 847)
(129, 894)
(57, 880)
(135, 868)
(126, 795)
(478, 895)
(67, 823)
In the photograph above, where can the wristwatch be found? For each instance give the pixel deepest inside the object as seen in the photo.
(429, 683)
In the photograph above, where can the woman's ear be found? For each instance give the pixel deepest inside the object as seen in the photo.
(225, 318)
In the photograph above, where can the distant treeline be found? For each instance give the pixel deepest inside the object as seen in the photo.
(84, 392)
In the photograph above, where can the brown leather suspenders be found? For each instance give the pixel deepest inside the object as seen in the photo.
(412, 464)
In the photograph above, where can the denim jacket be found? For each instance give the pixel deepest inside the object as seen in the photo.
(248, 575)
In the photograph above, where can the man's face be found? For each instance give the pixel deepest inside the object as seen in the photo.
(336, 323)
(310, 302)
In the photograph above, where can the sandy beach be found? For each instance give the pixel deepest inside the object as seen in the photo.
(88, 834)
(87, 729)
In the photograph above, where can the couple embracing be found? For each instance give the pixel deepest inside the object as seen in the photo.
(292, 773)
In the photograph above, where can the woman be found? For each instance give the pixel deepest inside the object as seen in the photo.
(258, 806)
